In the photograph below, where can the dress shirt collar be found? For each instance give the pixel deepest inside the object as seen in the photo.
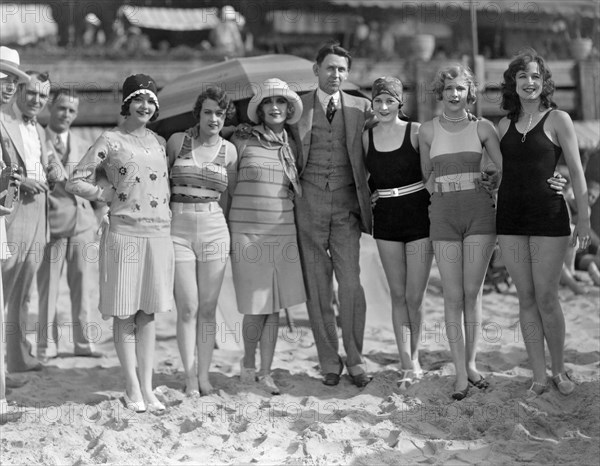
(324, 98)
(21, 117)
(64, 136)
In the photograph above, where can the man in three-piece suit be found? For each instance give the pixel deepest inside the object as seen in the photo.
(72, 233)
(23, 143)
(331, 213)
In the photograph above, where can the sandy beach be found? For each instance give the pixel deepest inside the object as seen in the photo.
(72, 411)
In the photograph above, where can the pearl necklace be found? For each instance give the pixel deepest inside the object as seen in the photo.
(454, 120)
(528, 125)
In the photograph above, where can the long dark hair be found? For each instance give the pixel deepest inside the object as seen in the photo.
(510, 98)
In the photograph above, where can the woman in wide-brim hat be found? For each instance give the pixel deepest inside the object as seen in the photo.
(127, 168)
(265, 262)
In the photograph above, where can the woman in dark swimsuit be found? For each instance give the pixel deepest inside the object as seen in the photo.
(401, 221)
(532, 220)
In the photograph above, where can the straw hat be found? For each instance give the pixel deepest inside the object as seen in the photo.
(9, 63)
(273, 88)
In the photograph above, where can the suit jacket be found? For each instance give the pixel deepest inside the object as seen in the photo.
(68, 214)
(356, 111)
(11, 143)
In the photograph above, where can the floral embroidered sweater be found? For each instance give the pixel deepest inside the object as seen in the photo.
(130, 174)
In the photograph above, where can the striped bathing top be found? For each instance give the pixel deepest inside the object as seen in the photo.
(192, 183)
(455, 156)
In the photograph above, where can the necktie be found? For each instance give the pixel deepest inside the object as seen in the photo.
(330, 110)
(60, 147)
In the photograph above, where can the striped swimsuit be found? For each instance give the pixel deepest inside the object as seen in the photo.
(458, 207)
(198, 227)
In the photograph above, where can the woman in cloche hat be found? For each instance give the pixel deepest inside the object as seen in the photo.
(127, 168)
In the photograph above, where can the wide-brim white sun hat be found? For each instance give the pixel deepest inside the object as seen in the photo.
(10, 63)
(275, 88)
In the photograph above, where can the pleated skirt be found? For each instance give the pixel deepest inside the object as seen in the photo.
(136, 273)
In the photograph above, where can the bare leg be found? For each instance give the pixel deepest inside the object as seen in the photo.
(547, 261)
(186, 298)
(393, 259)
(125, 336)
(210, 278)
(449, 257)
(478, 252)
(407, 269)
(419, 256)
(518, 261)
(146, 342)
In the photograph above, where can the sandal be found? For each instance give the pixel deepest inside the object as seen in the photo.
(267, 382)
(460, 394)
(408, 379)
(481, 384)
(535, 390)
(563, 383)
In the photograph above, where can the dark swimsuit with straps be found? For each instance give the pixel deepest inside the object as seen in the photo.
(527, 205)
(402, 218)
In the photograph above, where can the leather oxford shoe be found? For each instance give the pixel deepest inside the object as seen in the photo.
(331, 379)
(360, 380)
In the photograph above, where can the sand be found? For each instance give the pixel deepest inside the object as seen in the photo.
(72, 411)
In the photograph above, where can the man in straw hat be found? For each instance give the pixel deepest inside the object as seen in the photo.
(331, 213)
(10, 75)
(24, 147)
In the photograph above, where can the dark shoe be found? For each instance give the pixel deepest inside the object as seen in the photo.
(12, 383)
(460, 394)
(360, 380)
(90, 354)
(481, 384)
(331, 379)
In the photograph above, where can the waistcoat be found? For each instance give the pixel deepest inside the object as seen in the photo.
(328, 164)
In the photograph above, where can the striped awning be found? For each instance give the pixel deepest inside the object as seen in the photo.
(173, 19)
(584, 8)
(25, 23)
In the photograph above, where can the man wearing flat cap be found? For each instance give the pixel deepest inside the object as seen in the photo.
(23, 143)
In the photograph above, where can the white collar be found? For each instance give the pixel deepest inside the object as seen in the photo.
(324, 98)
(64, 136)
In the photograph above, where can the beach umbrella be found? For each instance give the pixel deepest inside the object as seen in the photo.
(239, 77)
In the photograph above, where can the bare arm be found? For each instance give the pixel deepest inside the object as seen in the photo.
(567, 139)
(173, 147)
(425, 140)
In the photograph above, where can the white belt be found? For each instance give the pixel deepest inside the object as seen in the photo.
(403, 191)
(452, 186)
(205, 205)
